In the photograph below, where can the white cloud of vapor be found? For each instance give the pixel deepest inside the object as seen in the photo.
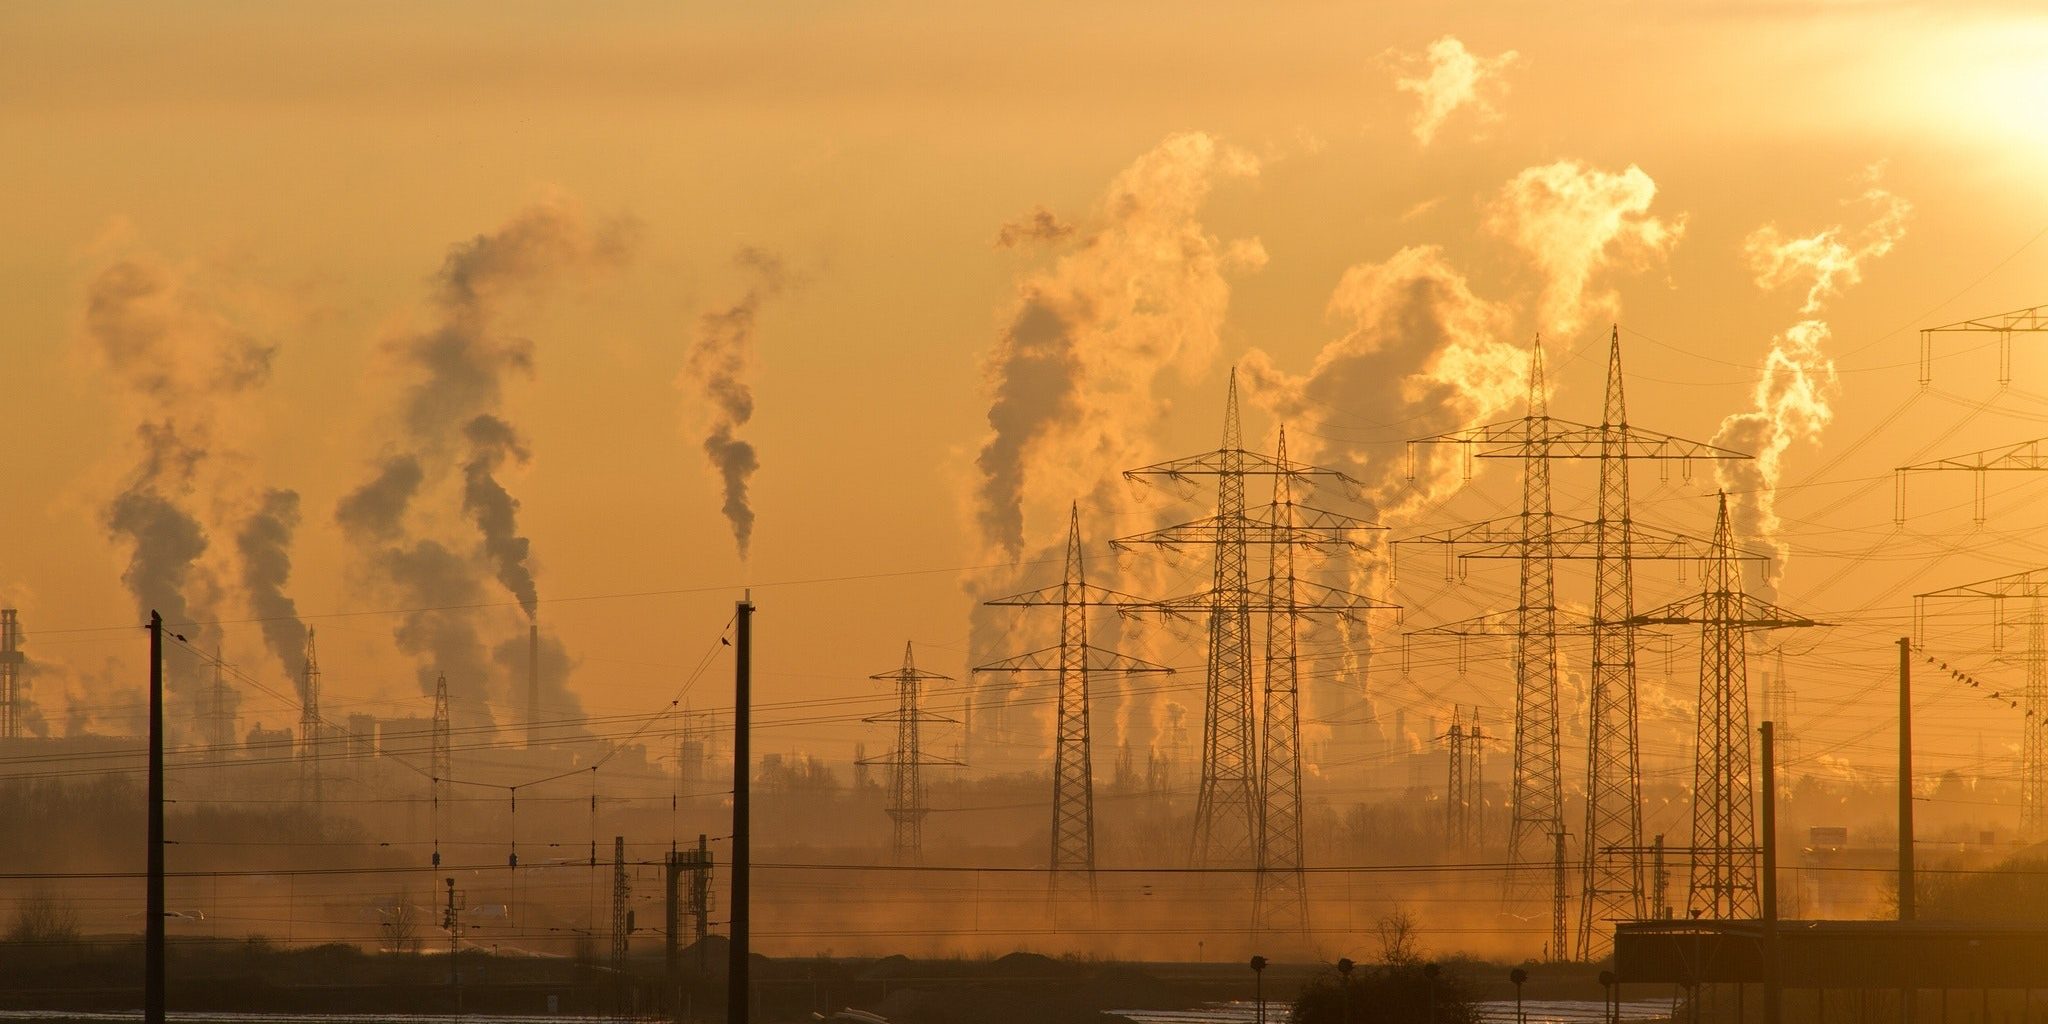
(1446, 78)
(1574, 222)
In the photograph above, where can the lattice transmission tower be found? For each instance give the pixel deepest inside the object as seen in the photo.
(1465, 787)
(1072, 661)
(1612, 875)
(907, 806)
(2029, 586)
(309, 728)
(1724, 850)
(1247, 810)
(441, 763)
(11, 702)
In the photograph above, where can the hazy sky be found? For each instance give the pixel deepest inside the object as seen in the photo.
(1214, 179)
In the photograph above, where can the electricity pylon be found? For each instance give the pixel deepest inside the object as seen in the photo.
(1465, 787)
(2029, 586)
(1724, 864)
(1227, 810)
(309, 728)
(907, 808)
(440, 762)
(11, 704)
(2033, 320)
(1281, 896)
(1612, 885)
(2026, 456)
(1457, 832)
(1073, 659)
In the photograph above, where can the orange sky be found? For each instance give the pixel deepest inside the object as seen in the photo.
(303, 170)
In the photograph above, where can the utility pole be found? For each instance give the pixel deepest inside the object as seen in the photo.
(1772, 1001)
(1906, 882)
(2030, 586)
(907, 807)
(1724, 875)
(153, 1004)
(1613, 885)
(1074, 659)
(736, 991)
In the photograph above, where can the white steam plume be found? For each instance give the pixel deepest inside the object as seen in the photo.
(1425, 355)
(1574, 222)
(1137, 288)
(1446, 77)
(1797, 383)
(719, 363)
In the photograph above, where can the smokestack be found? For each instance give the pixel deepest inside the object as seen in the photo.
(532, 685)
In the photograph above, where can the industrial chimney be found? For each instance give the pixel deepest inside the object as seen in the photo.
(532, 685)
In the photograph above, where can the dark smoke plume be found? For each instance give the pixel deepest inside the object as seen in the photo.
(718, 363)
(495, 511)
(454, 428)
(179, 365)
(264, 543)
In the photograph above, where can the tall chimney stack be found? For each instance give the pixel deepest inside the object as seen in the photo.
(532, 685)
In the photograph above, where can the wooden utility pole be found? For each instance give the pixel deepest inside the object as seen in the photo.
(1769, 840)
(742, 721)
(153, 911)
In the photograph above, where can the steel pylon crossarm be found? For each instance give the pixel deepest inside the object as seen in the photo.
(2031, 320)
(2030, 586)
(2024, 457)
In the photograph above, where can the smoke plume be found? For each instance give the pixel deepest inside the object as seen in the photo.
(1070, 379)
(456, 439)
(719, 363)
(1139, 287)
(1797, 382)
(495, 512)
(264, 543)
(1574, 222)
(1040, 225)
(1446, 78)
(179, 365)
(1427, 355)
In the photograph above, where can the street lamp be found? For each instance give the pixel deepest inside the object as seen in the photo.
(1259, 986)
(1344, 966)
(1518, 976)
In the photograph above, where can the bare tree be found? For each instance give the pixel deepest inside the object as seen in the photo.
(42, 919)
(401, 926)
(1398, 945)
